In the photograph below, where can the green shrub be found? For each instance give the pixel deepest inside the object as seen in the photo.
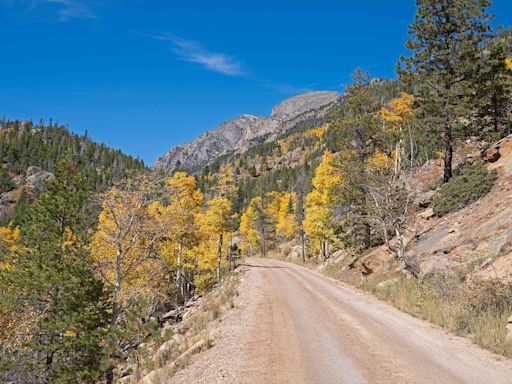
(6, 183)
(464, 189)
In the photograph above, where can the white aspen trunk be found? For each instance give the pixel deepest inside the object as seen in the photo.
(179, 280)
(303, 237)
(117, 286)
(400, 254)
(219, 257)
(411, 144)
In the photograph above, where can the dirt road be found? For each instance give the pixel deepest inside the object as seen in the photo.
(292, 325)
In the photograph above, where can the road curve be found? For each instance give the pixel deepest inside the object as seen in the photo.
(296, 326)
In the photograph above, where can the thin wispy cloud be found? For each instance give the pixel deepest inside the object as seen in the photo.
(193, 52)
(73, 9)
(66, 9)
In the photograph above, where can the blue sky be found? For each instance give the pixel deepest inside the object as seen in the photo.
(146, 75)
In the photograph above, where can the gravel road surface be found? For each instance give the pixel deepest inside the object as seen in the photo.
(293, 325)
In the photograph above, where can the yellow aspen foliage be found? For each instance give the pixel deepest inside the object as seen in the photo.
(281, 210)
(249, 226)
(9, 239)
(380, 162)
(178, 220)
(213, 223)
(215, 218)
(12, 323)
(125, 244)
(283, 146)
(398, 110)
(226, 182)
(318, 133)
(396, 115)
(508, 63)
(319, 202)
(184, 203)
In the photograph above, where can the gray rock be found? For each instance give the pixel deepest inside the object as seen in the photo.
(241, 133)
(427, 214)
(295, 106)
(424, 200)
(35, 179)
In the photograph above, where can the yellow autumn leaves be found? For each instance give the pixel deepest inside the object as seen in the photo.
(270, 213)
(151, 237)
(271, 216)
(508, 63)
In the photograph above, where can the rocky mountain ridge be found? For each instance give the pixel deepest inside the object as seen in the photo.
(239, 134)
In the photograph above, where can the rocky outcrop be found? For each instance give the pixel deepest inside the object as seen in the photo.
(241, 133)
(475, 241)
(31, 183)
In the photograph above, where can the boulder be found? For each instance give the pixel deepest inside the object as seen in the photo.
(424, 200)
(426, 214)
(35, 179)
(492, 154)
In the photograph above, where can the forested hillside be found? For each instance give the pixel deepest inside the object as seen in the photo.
(24, 144)
(29, 153)
(97, 268)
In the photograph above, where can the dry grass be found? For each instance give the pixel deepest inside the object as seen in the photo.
(476, 310)
(174, 349)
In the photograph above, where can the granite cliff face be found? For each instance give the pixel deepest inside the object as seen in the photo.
(239, 134)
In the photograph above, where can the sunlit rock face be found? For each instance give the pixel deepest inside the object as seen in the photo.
(239, 134)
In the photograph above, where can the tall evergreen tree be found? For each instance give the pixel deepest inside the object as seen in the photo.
(492, 103)
(445, 38)
(50, 278)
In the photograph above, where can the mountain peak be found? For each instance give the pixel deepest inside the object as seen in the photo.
(297, 105)
(239, 134)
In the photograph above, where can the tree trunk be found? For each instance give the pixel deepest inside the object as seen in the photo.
(400, 253)
(303, 237)
(398, 154)
(385, 233)
(448, 146)
(367, 235)
(117, 287)
(263, 245)
(179, 280)
(411, 144)
(219, 257)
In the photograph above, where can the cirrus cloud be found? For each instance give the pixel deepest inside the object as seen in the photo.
(66, 9)
(192, 51)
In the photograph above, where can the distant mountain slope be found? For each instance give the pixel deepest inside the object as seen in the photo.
(29, 153)
(24, 144)
(241, 133)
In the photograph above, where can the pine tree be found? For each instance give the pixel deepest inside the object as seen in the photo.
(445, 38)
(52, 282)
(492, 102)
